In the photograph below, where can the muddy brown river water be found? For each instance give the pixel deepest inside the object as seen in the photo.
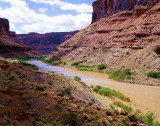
(146, 98)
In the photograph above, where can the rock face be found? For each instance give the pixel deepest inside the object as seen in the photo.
(4, 26)
(105, 8)
(45, 43)
(124, 40)
(9, 45)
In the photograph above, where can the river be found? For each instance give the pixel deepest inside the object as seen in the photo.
(146, 98)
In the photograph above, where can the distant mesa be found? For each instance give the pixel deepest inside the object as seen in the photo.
(44, 43)
(10, 46)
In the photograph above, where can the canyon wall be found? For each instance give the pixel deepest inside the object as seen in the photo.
(10, 46)
(105, 8)
(45, 43)
(126, 40)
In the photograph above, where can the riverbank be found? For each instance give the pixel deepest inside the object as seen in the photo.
(145, 97)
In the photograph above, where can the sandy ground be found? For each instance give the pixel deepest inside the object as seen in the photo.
(146, 98)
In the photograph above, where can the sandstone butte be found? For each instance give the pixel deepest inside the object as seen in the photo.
(129, 39)
(44, 43)
(10, 46)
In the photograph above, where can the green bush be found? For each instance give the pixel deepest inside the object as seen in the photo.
(148, 119)
(84, 68)
(120, 75)
(50, 71)
(110, 93)
(92, 86)
(84, 84)
(77, 78)
(124, 107)
(64, 63)
(26, 64)
(60, 62)
(67, 91)
(70, 119)
(39, 88)
(42, 58)
(102, 67)
(75, 64)
(97, 88)
(153, 74)
(50, 82)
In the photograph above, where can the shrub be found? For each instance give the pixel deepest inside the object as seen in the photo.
(75, 64)
(50, 71)
(84, 84)
(67, 91)
(64, 63)
(28, 103)
(50, 82)
(84, 68)
(102, 67)
(92, 86)
(148, 119)
(60, 62)
(54, 63)
(110, 93)
(70, 119)
(26, 64)
(97, 88)
(77, 78)
(120, 75)
(153, 74)
(39, 88)
(124, 107)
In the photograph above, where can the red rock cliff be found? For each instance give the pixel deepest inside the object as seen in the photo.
(10, 46)
(45, 43)
(104, 8)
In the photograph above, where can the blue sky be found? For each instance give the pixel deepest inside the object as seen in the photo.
(44, 16)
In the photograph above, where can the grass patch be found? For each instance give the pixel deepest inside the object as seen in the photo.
(124, 107)
(148, 119)
(54, 63)
(84, 68)
(120, 75)
(75, 63)
(110, 93)
(67, 91)
(39, 88)
(101, 67)
(153, 74)
(64, 63)
(23, 59)
(50, 71)
(76, 78)
(26, 64)
(71, 119)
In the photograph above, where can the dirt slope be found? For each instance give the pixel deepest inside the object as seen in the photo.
(20, 104)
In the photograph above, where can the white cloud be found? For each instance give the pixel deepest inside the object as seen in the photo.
(42, 10)
(81, 8)
(30, 21)
(62, 23)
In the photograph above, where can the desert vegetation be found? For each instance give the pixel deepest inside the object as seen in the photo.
(148, 118)
(120, 75)
(26, 64)
(50, 62)
(123, 106)
(101, 67)
(110, 93)
(153, 74)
